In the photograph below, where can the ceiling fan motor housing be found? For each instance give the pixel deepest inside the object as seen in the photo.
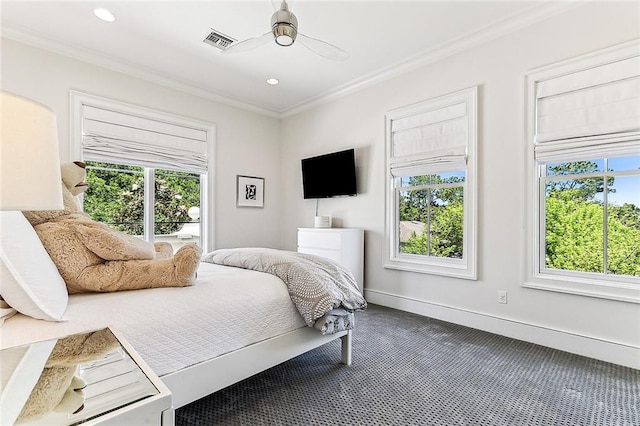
(284, 26)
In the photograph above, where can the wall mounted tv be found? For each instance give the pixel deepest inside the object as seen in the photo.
(329, 175)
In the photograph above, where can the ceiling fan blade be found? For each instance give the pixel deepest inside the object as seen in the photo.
(249, 44)
(322, 48)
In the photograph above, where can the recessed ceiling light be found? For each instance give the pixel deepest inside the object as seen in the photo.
(273, 81)
(104, 15)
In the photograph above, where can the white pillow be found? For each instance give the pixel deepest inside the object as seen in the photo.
(29, 281)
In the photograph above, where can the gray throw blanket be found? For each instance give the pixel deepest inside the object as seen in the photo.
(317, 286)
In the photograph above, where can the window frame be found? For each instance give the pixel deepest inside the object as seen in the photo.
(207, 187)
(459, 268)
(536, 275)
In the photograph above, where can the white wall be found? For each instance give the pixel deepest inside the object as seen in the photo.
(599, 328)
(246, 143)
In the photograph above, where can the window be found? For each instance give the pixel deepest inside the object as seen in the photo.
(591, 217)
(584, 150)
(116, 196)
(147, 172)
(432, 215)
(431, 194)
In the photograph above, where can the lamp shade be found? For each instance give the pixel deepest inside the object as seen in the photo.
(29, 159)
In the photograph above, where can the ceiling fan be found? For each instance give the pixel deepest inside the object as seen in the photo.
(284, 31)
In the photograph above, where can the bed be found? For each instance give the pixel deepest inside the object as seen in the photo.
(230, 325)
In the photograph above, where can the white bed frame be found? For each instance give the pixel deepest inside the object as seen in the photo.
(200, 380)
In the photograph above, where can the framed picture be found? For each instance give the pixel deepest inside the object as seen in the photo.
(250, 191)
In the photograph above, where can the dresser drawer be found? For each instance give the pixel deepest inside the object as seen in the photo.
(323, 240)
(335, 255)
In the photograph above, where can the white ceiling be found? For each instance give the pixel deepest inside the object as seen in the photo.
(162, 41)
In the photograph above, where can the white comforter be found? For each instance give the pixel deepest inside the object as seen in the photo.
(319, 287)
(173, 328)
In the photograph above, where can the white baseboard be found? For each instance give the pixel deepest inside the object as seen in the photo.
(628, 356)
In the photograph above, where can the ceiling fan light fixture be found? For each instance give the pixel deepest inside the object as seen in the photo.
(284, 26)
(285, 34)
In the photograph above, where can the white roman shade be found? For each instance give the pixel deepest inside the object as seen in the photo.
(437, 134)
(432, 136)
(121, 138)
(593, 110)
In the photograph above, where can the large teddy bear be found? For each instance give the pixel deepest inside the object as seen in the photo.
(93, 257)
(59, 388)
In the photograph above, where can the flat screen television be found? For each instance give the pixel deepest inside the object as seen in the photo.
(329, 175)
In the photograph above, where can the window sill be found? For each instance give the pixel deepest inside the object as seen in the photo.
(455, 271)
(618, 292)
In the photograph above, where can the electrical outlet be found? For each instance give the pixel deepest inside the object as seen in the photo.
(502, 296)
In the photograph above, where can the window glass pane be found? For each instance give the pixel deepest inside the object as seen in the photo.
(588, 189)
(624, 190)
(624, 163)
(177, 207)
(431, 222)
(449, 177)
(407, 181)
(575, 167)
(115, 196)
(446, 225)
(574, 217)
(414, 213)
(623, 226)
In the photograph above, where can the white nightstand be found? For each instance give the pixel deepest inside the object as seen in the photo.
(344, 245)
(121, 388)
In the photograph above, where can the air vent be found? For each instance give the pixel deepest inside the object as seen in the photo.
(219, 40)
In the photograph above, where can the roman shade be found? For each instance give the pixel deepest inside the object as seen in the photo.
(121, 138)
(434, 137)
(588, 112)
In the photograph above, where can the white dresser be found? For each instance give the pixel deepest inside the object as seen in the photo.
(344, 245)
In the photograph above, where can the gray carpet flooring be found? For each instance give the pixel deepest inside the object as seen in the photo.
(412, 370)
